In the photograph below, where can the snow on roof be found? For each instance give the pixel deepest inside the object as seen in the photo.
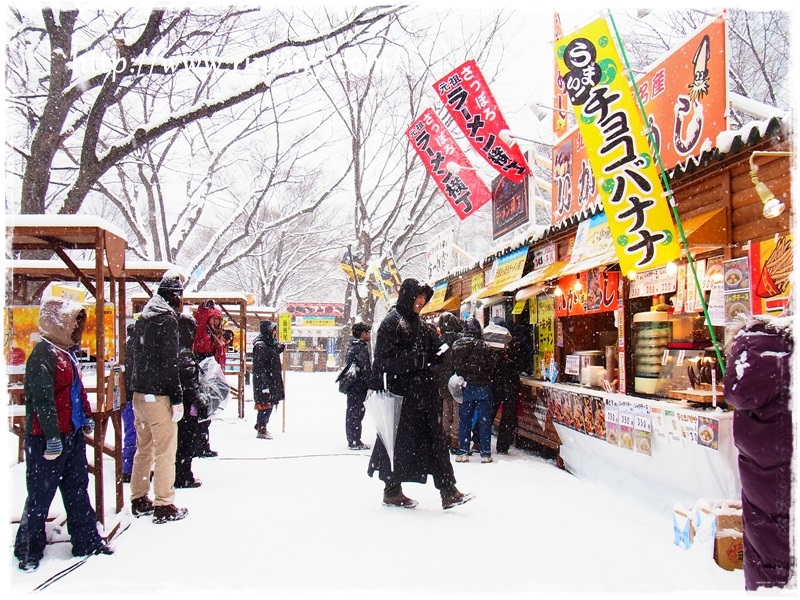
(64, 221)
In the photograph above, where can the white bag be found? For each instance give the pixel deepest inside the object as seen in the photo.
(456, 384)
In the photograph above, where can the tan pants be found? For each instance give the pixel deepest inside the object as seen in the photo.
(156, 443)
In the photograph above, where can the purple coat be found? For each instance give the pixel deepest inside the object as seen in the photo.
(758, 385)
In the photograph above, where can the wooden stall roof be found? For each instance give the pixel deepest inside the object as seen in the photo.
(36, 270)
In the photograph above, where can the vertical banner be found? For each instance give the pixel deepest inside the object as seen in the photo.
(736, 281)
(284, 327)
(470, 102)
(509, 206)
(465, 191)
(394, 272)
(439, 252)
(559, 93)
(611, 126)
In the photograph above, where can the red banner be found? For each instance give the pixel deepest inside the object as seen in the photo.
(468, 99)
(465, 191)
(598, 292)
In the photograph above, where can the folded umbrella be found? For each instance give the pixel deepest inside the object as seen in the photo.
(383, 407)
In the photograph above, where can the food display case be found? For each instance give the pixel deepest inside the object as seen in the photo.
(652, 332)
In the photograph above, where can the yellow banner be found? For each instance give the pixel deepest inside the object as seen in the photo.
(439, 293)
(284, 327)
(476, 282)
(612, 128)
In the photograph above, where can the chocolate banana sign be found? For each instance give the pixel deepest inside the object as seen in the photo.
(638, 215)
(464, 190)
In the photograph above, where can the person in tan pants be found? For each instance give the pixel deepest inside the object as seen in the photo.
(157, 402)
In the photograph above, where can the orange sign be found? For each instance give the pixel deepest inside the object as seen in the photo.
(588, 292)
(770, 272)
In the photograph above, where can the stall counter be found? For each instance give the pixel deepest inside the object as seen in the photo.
(664, 452)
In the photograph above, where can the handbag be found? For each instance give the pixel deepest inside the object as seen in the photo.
(347, 377)
(456, 384)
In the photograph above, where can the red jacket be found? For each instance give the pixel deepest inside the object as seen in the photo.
(206, 342)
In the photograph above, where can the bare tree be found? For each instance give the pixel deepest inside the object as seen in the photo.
(396, 205)
(65, 115)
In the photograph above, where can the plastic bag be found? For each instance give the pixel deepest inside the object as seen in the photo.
(456, 386)
(214, 388)
(496, 336)
(347, 377)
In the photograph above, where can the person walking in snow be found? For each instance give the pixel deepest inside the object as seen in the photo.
(474, 361)
(209, 341)
(358, 354)
(758, 385)
(57, 415)
(267, 375)
(189, 426)
(157, 402)
(449, 331)
(405, 349)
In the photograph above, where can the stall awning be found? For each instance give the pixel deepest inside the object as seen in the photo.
(508, 270)
(594, 246)
(452, 303)
(707, 229)
(530, 281)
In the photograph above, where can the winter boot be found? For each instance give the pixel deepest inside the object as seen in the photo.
(394, 497)
(170, 512)
(452, 497)
(29, 565)
(462, 458)
(141, 506)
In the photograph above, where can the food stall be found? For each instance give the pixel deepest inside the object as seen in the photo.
(104, 279)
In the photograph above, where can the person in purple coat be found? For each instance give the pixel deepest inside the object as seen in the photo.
(758, 385)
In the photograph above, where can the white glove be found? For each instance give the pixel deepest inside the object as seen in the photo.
(177, 412)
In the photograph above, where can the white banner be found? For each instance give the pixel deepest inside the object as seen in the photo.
(439, 252)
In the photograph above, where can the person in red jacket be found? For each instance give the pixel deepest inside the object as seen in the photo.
(208, 341)
(57, 417)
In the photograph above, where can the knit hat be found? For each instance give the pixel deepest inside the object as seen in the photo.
(171, 283)
(359, 328)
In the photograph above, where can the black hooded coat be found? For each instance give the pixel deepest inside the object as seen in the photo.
(405, 350)
(267, 369)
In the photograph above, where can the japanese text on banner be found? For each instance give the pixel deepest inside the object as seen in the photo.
(470, 102)
(611, 125)
(465, 191)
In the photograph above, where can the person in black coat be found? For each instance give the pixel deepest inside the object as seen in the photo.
(474, 361)
(358, 354)
(758, 385)
(506, 386)
(157, 402)
(267, 376)
(405, 349)
(189, 426)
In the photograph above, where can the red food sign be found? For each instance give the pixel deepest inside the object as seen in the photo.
(598, 292)
(468, 99)
(465, 191)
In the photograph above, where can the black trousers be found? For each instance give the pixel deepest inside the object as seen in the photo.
(189, 432)
(202, 440)
(508, 396)
(354, 414)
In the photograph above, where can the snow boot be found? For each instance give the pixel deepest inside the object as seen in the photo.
(394, 497)
(170, 512)
(452, 497)
(141, 506)
(29, 565)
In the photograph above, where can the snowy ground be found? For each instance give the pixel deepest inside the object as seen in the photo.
(299, 515)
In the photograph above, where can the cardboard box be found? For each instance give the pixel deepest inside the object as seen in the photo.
(729, 549)
(683, 526)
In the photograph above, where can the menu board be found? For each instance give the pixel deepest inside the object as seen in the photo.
(626, 424)
(708, 432)
(736, 285)
(643, 442)
(612, 422)
(688, 426)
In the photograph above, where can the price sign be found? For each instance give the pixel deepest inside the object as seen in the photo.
(284, 327)
(626, 419)
(642, 423)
